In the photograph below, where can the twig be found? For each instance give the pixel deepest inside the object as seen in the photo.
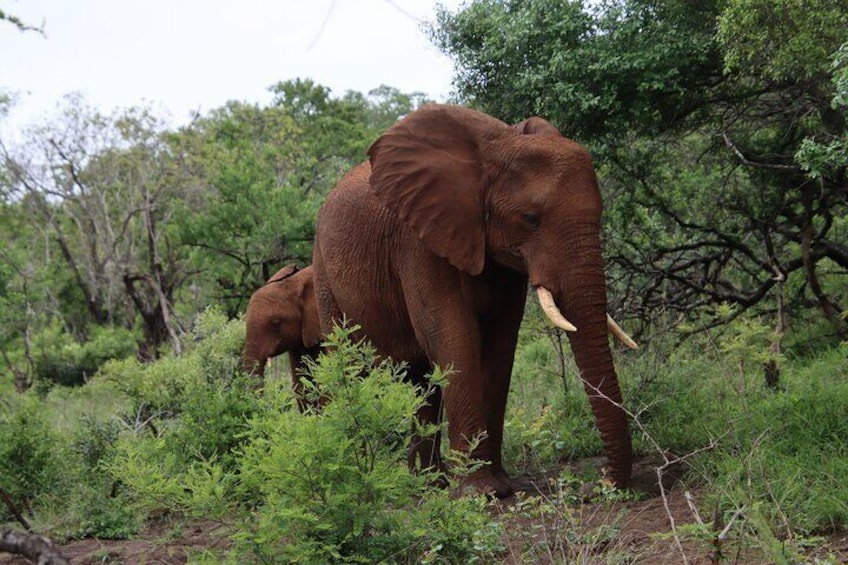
(14, 509)
(747, 162)
(669, 460)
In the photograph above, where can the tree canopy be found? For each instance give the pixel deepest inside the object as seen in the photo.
(117, 220)
(718, 126)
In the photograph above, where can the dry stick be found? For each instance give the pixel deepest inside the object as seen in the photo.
(17, 513)
(34, 547)
(667, 462)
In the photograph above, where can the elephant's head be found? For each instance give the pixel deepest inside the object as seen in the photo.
(476, 190)
(281, 316)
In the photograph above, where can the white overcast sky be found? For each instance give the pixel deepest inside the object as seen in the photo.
(188, 55)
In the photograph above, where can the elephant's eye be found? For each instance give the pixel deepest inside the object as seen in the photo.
(531, 219)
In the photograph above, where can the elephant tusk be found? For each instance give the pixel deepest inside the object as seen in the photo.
(616, 330)
(546, 299)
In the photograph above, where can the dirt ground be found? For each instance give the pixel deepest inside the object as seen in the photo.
(641, 531)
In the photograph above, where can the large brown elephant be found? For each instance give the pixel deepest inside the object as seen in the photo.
(282, 316)
(430, 246)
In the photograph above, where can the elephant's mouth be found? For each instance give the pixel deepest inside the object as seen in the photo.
(549, 307)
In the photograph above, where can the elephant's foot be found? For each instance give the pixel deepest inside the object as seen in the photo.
(491, 482)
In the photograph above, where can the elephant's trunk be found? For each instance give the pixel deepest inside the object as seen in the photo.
(253, 364)
(583, 299)
(592, 354)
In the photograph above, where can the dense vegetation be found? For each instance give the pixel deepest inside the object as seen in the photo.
(130, 248)
(719, 126)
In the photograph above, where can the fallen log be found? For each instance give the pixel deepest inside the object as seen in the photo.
(34, 547)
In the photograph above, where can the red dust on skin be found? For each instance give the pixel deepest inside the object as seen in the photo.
(429, 248)
(281, 317)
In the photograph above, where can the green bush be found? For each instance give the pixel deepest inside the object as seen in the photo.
(53, 454)
(61, 360)
(330, 486)
(187, 417)
(32, 455)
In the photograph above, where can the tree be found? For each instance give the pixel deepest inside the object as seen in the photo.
(260, 174)
(699, 133)
(247, 214)
(335, 132)
(115, 220)
(99, 187)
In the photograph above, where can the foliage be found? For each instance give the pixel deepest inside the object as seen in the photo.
(16, 312)
(184, 410)
(596, 73)
(51, 466)
(191, 436)
(31, 456)
(748, 29)
(788, 454)
(827, 153)
(334, 485)
(328, 486)
(118, 220)
(61, 360)
(96, 190)
(246, 215)
(696, 127)
(773, 459)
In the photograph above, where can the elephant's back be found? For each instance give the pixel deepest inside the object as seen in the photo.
(352, 222)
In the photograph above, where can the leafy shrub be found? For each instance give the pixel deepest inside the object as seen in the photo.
(334, 485)
(61, 360)
(187, 418)
(54, 469)
(32, 455)
(96, 498)
(330, 486)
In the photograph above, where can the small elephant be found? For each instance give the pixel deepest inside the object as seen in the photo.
(430, 247)
(282, 316)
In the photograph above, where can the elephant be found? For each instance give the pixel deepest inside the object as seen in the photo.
(282, 316)
(429, 247)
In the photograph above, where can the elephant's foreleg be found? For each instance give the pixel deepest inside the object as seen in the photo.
(466, 403)
(500, 336)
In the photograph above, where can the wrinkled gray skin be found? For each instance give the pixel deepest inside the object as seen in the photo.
(281, 317)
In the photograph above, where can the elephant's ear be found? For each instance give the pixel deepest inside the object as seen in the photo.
(537, 126)
(310, 325)
(429, 169)
(283, 273)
